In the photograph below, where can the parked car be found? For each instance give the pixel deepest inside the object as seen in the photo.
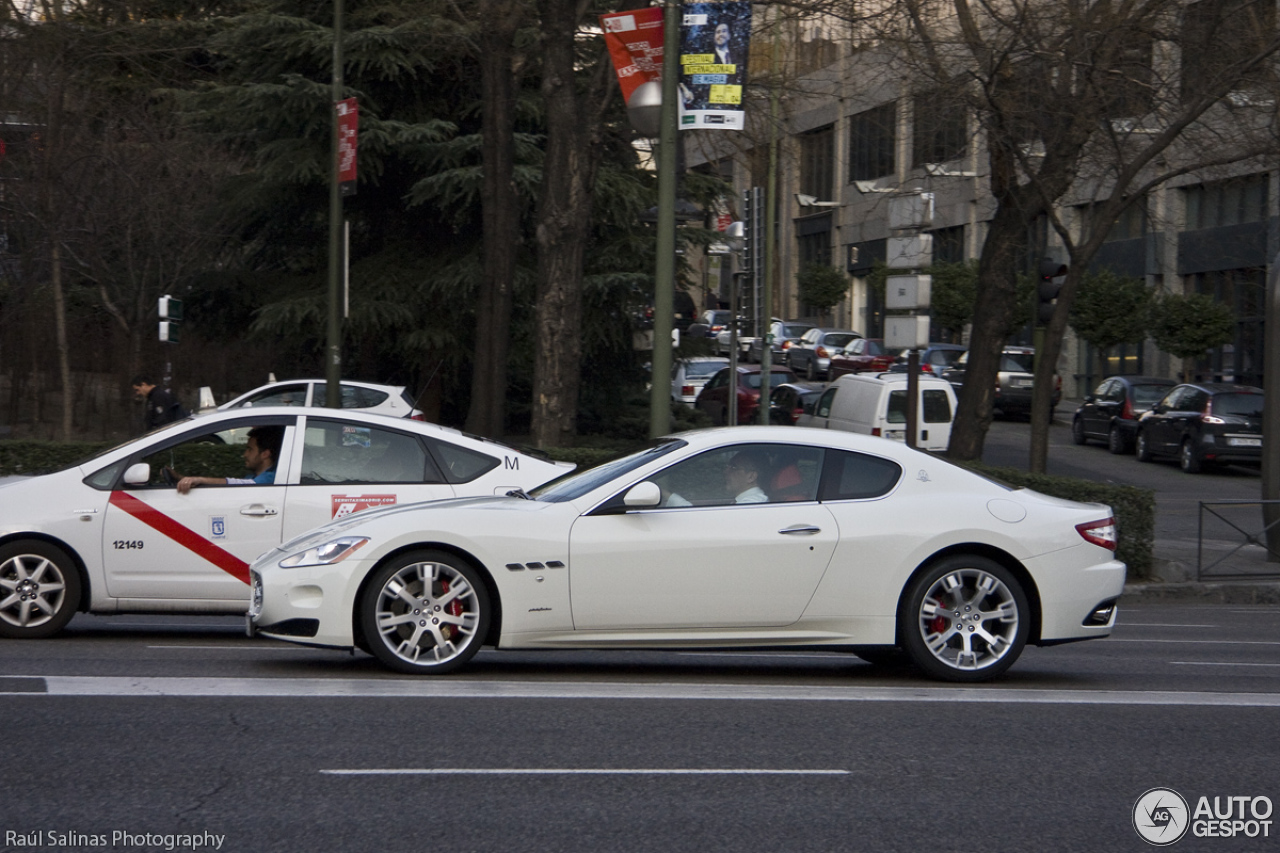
(716, 320)
(860, 355)
(688, 375)
(391, 400)
(786, 334)
(714, 397)
(789, 401)
(753, 536)
(1111, 412)
(877, 405)
(811, 357)
(1204, 423)
(112, 534)
(1014, 381)
(934, 358)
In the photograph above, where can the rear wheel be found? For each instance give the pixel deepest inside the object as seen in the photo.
(39, 590)
(965, 619)
(1142, 448)
(1116, 442)
(1188, 459)
(425, 613)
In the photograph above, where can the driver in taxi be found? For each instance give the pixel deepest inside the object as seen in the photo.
(260, 457)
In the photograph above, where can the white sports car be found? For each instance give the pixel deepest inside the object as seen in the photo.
(112, 534)
(746, 536)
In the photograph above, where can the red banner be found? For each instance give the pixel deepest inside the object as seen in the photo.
(635, 44)
(348, 125)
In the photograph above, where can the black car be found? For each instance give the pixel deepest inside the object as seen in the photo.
(1111, 412)
(1204, 423)
(934, 358)
(792, 399)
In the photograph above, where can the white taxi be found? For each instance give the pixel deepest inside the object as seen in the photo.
(747, 536)
(112, 534)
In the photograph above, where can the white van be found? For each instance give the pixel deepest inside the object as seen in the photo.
(877, 405)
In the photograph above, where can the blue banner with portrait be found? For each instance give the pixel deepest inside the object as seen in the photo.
(715, 39)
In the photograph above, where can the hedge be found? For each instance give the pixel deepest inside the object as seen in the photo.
(1134, 508)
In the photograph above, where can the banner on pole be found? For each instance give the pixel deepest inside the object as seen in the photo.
(348, 126)
(715, 39)
(635, 45)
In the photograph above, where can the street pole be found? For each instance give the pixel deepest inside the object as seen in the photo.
(770, 207)
(665, 272)
(333, 348)
(1271, 414)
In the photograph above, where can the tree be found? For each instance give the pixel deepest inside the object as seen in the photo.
(1111, 309)
(821, 286)
(1189, 326)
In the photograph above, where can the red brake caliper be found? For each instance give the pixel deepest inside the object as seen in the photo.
(453, 608)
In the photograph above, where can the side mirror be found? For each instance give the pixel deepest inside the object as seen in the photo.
(138, 474)
(644, 494)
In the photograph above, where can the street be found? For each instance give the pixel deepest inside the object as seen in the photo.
(180, 726)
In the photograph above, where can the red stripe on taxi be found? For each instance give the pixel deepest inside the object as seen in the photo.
(187, 538)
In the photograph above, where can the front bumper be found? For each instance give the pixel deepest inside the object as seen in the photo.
(314, 606)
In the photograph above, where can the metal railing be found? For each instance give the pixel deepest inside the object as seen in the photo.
(1246, 534)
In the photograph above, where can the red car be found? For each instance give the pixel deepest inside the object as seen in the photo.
(714, 399)
(860, 355)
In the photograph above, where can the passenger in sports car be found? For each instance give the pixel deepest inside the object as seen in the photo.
(260, 457)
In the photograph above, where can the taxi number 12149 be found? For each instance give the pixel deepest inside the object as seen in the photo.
(127, 544)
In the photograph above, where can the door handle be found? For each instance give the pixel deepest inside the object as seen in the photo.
(259, 511)
(807, 529)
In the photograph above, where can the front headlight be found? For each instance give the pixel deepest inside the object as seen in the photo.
(333, 551)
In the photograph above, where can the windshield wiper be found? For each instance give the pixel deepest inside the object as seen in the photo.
(519, 493)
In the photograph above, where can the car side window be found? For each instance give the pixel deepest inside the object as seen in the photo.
(824, 405)
(857, 476)
(1103, 388)
(289, 395)
(339, 452)
(462, 464)
(743, 474)
(213, 452)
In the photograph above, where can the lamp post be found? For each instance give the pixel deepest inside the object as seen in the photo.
(333, 347)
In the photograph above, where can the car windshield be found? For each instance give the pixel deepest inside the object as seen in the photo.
(776, 377)
(578, 484)
(1148, 395)
(701, 369)
(1018, 362)
(1239, 405)
(85, 460)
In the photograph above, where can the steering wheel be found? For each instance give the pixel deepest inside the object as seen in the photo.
(170, 478)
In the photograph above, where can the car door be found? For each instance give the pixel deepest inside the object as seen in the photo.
(1098, 411)
(821, 416)
(702, 560)
(159, 544)
(349, 465)
(1165, 432)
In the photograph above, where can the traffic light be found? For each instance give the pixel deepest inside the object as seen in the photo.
(170, 310)
(1047, 287)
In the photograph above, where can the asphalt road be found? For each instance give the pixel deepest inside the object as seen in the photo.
(181, 726)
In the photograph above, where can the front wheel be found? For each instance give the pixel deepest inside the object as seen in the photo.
(965, 619)
(1077, 431)
(39, 590)
(425, 613)
(1188, 458)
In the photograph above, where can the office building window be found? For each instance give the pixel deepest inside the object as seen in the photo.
(1232, 202)
(817, 163)
(1217, 33)
(941, 130)
(872, 138)
(948, 245)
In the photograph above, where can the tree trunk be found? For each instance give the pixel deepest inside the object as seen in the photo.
(992, 315)
(564, 223)
(60, 333)
(487, 413)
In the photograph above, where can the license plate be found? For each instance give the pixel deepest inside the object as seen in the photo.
(1023, 383)
(1244, 442)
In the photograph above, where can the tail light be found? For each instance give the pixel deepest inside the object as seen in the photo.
(926, 368)
(1126, 411)
(1101, 533)
(1206, 417)
(875, 431)
(795, 416)
(687, 390)
(821, 352)
(1057, 383)
(418, 417)
(786, 345)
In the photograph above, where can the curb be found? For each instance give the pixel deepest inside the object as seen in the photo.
(1222, 592)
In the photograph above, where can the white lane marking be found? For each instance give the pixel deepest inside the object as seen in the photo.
(580, 771)
(429, 688)
(1199, 642)
(1217, 663)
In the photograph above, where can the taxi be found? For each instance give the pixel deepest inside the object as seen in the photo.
(112, 534)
